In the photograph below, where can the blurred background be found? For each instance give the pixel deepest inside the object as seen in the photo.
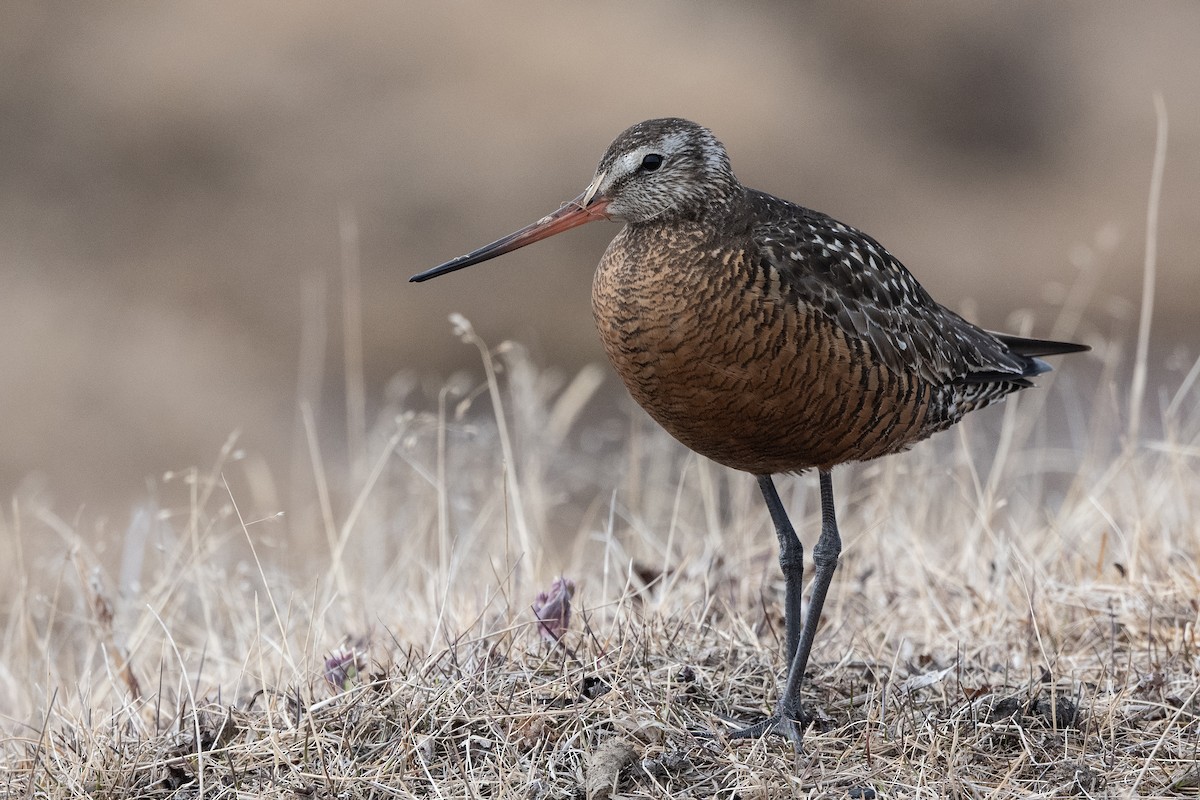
(193, 194)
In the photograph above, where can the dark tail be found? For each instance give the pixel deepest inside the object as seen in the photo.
(1029, 350)
(1032, 349)
(1039, 347)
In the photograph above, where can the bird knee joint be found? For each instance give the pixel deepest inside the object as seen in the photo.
(826, 556)
(790, 561)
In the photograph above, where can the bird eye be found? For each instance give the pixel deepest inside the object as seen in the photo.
(651, 162)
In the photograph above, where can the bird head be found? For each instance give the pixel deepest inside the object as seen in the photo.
(660, 170)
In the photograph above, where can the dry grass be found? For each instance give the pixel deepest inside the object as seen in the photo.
(1015, 614)
(1008, 621)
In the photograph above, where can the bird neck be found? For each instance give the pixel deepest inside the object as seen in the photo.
(725, 209)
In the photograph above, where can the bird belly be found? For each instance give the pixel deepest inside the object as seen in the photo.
(746, 378)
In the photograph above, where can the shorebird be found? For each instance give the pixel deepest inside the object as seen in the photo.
(770, 338)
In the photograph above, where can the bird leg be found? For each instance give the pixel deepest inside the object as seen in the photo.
(791, 562)
(790, 719)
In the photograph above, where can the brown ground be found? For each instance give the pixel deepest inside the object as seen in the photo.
(1015, 615)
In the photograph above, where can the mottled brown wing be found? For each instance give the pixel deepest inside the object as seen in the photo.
(850, 277)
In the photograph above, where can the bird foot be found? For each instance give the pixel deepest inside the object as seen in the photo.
(789, 725)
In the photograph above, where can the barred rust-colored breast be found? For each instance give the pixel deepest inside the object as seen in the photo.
(720, 355)
(780, 339)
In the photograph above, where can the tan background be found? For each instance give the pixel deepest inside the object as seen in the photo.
(173, 175)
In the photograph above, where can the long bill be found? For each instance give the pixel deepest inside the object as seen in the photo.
(583, 209)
